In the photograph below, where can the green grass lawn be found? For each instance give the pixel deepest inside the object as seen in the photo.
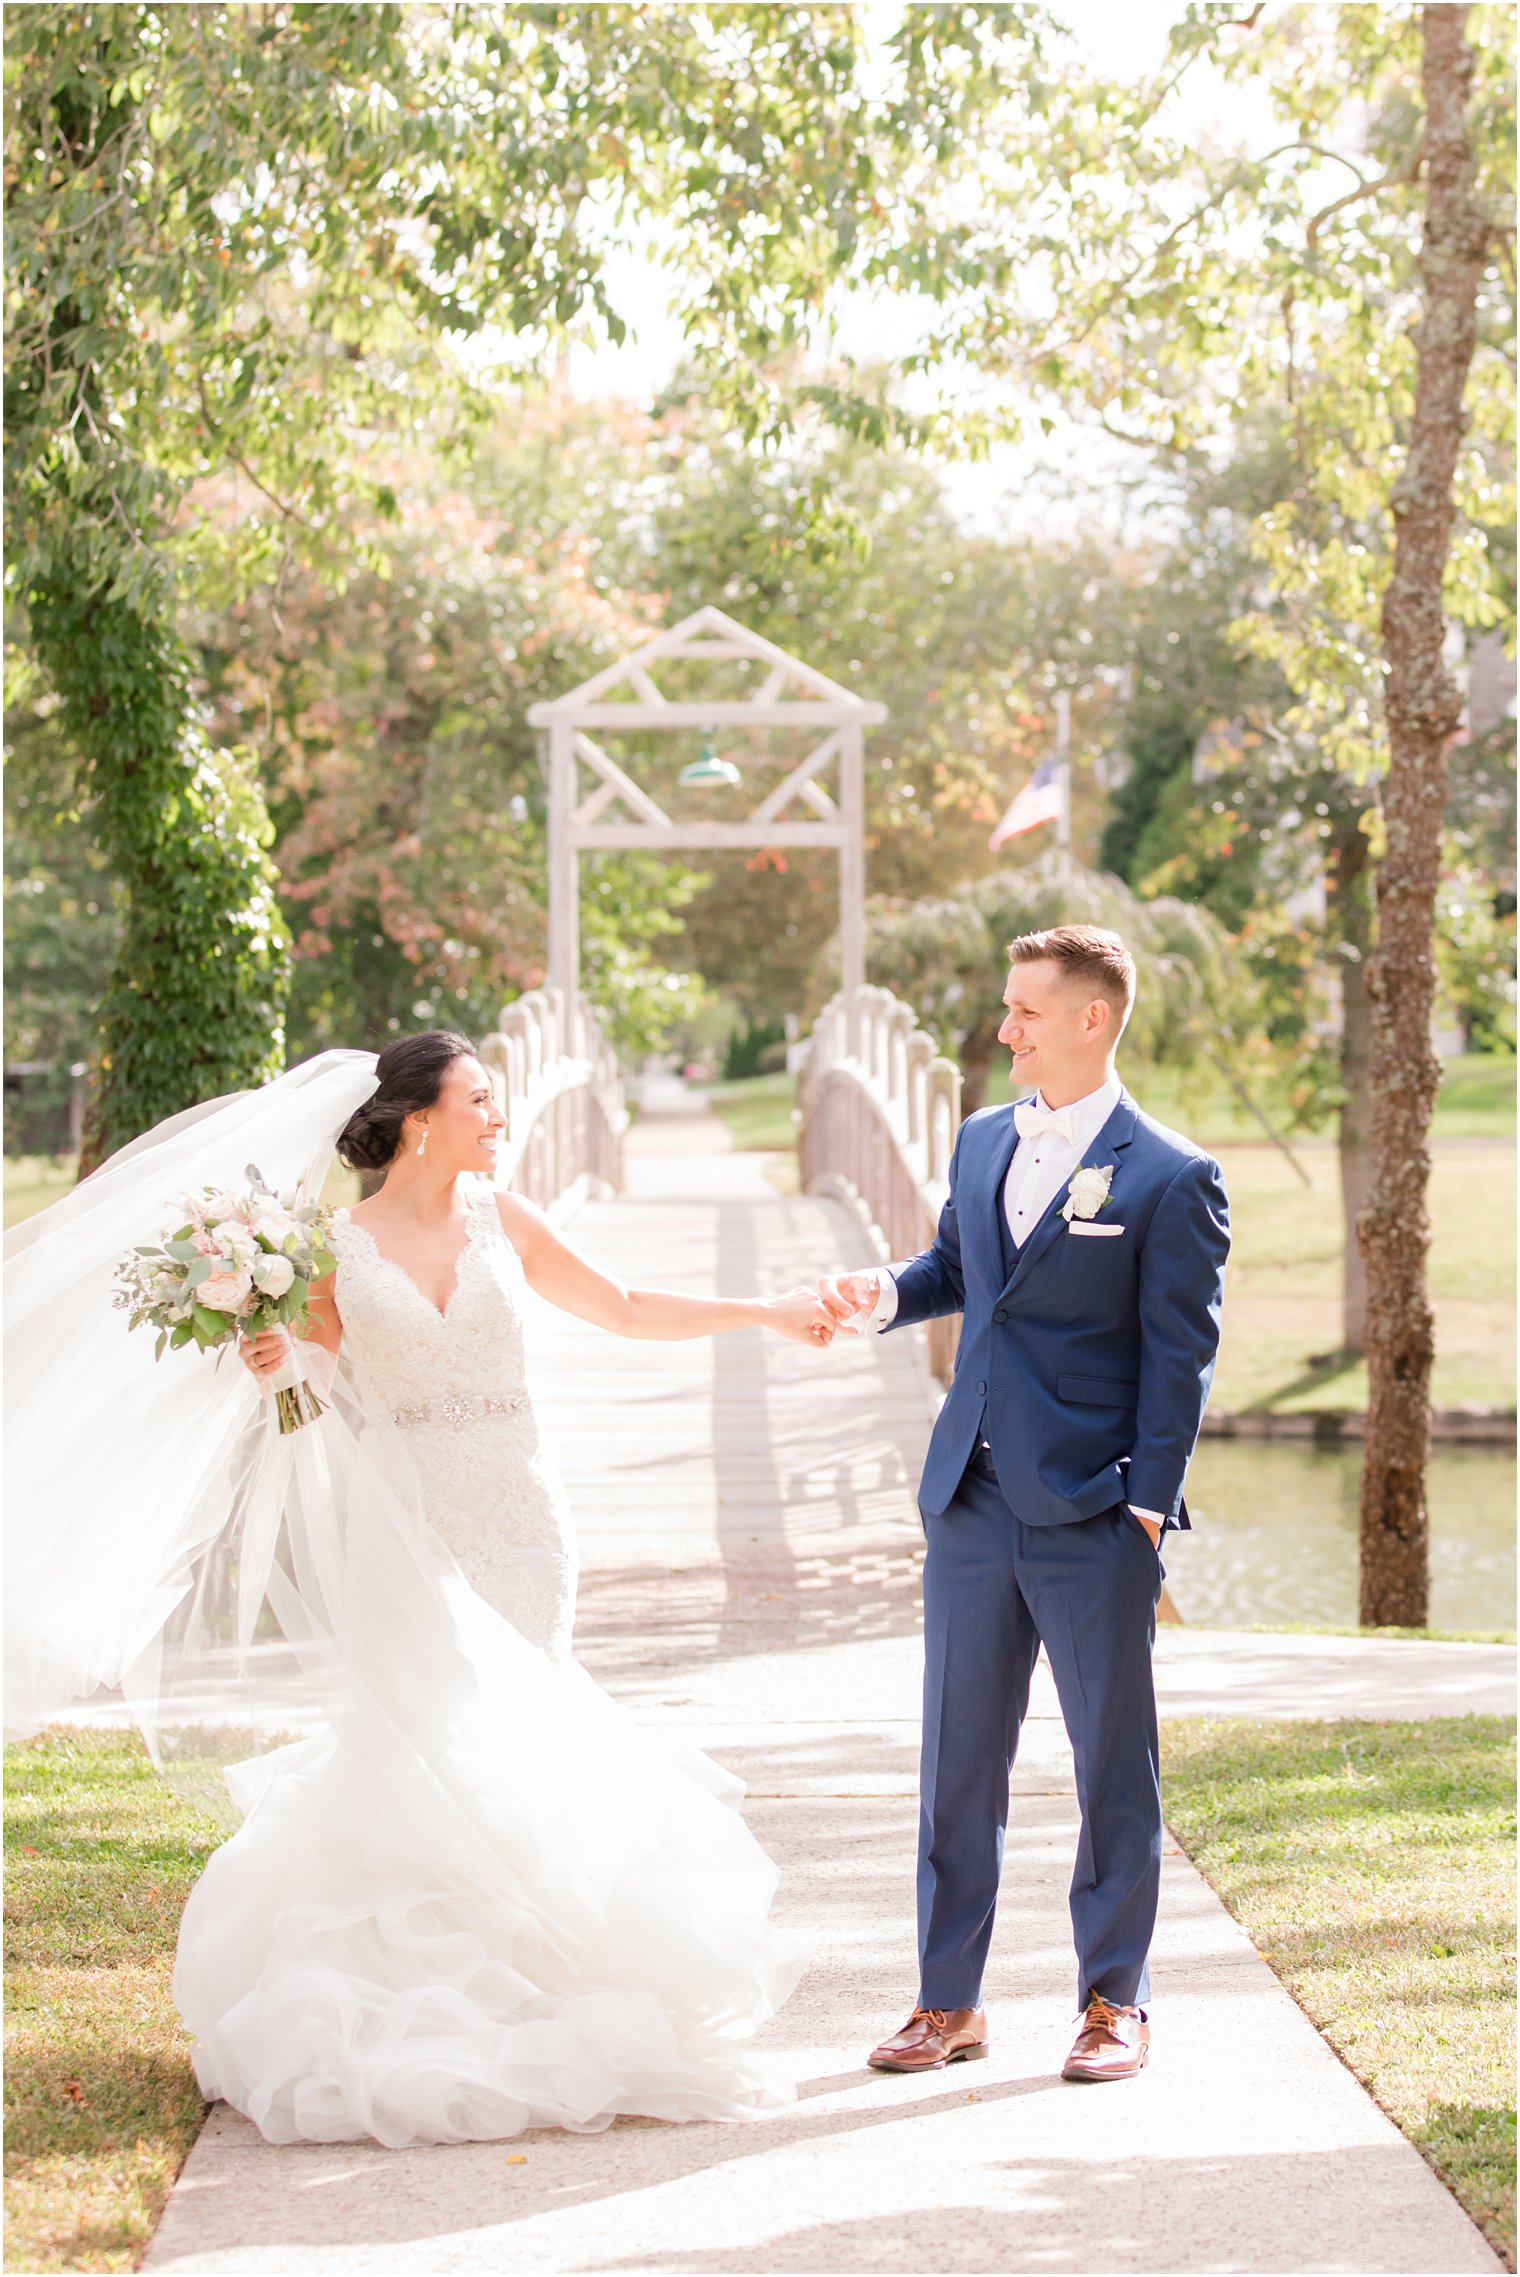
(100, 2102)
(1282, 1303)
(1373, 1866)
(34, 1182)
(1476, 1100)
(1477, 1097)
(1282, 1286)
(758, 1111)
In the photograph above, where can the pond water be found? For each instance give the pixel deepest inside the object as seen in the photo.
(1275, 1536)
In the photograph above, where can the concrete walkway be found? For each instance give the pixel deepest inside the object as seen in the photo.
(751, 1552)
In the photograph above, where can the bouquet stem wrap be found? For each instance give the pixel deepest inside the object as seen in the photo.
(296, 1398)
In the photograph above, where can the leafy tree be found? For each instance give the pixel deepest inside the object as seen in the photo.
(1475, 909)
(962, 636)
(946, 958)
(404, 779)
(1188, 280)
(1423, 711)
(1475, 953)
(183, 301)
(62, 922)
(1188, 676)
(1231, 802)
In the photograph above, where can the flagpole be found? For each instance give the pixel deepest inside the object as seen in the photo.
(1063, 766)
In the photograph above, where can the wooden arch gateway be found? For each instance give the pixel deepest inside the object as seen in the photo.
(719, 677)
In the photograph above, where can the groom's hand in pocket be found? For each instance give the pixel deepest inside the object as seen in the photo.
(850, 1298)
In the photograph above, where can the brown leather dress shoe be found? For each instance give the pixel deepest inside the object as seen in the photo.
(1112, 2044)
(932, 2038)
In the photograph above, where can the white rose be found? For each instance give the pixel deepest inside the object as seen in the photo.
(225, 1292)
(235, 1243)
(1087, 1193)
(275, 1225)
(273, 1274)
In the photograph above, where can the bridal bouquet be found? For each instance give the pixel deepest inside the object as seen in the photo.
(236, 1265)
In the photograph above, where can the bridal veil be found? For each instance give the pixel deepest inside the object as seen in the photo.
(468, 1894)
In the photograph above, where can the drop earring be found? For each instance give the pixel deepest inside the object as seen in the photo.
(422, 1149)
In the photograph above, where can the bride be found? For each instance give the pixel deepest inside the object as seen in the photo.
(426, 1307)
(476, 1897)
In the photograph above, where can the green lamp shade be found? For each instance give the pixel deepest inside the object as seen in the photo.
(708, 769)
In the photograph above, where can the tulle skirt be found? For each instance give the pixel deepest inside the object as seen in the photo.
(477, 1897)
(505, 1907)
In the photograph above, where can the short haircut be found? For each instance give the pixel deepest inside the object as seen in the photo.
(1089, 956)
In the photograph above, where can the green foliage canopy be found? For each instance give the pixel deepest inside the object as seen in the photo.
(235, 238)
(947, 959)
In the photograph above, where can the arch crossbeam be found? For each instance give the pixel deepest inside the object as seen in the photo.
(615, 811)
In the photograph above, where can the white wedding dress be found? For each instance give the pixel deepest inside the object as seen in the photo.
(454, 1384)
(476, 1897)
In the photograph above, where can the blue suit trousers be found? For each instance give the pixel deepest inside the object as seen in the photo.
(994, 1590)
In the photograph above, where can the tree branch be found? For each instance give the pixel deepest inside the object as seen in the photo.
(290, 513)
(1122, 435)
(1391, 181)
(1189, 220)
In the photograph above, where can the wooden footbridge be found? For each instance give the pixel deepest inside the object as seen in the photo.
(747, 1471)
(742, 1458)
(735, 1464)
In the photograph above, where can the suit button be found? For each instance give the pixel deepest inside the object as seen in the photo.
(981, 1391)
(1000, 1316)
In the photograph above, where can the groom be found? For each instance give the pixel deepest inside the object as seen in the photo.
(1085, 1246)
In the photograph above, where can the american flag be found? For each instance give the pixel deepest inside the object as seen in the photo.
(1039, 801)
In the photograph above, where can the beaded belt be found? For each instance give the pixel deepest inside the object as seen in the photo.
(456, 1410)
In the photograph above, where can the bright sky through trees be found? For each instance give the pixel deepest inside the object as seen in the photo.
(1050, 483)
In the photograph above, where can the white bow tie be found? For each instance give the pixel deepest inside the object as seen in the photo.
(1032, 1119)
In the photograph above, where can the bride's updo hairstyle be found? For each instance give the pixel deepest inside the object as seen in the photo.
(411, 1072)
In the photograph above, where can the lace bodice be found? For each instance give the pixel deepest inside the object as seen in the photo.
(408, 1352)
(452, 1387)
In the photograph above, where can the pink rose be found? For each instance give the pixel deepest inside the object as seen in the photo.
(225, 1292)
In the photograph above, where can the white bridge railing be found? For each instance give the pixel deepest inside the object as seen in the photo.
(880, 1112)
(558, 1083)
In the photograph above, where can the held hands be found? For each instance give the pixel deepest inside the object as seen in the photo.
(801, 1316)
(849, 1299)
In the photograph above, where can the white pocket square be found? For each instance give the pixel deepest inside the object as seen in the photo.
(1091, 1227)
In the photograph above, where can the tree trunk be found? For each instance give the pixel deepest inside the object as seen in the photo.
(1351, 902)
(976, 1054)
(1423, 710)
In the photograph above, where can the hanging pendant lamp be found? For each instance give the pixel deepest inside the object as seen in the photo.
(707, 769)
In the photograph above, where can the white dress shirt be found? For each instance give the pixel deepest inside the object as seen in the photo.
(1041, 1166)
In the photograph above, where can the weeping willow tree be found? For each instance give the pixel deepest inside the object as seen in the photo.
(947, 958)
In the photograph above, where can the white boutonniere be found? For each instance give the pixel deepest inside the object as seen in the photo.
(1088, 1192)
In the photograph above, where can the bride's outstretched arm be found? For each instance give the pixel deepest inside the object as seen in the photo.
(559, 1274)
(263, 1354)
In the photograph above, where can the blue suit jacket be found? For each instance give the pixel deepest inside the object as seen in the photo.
(1085, 1362)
